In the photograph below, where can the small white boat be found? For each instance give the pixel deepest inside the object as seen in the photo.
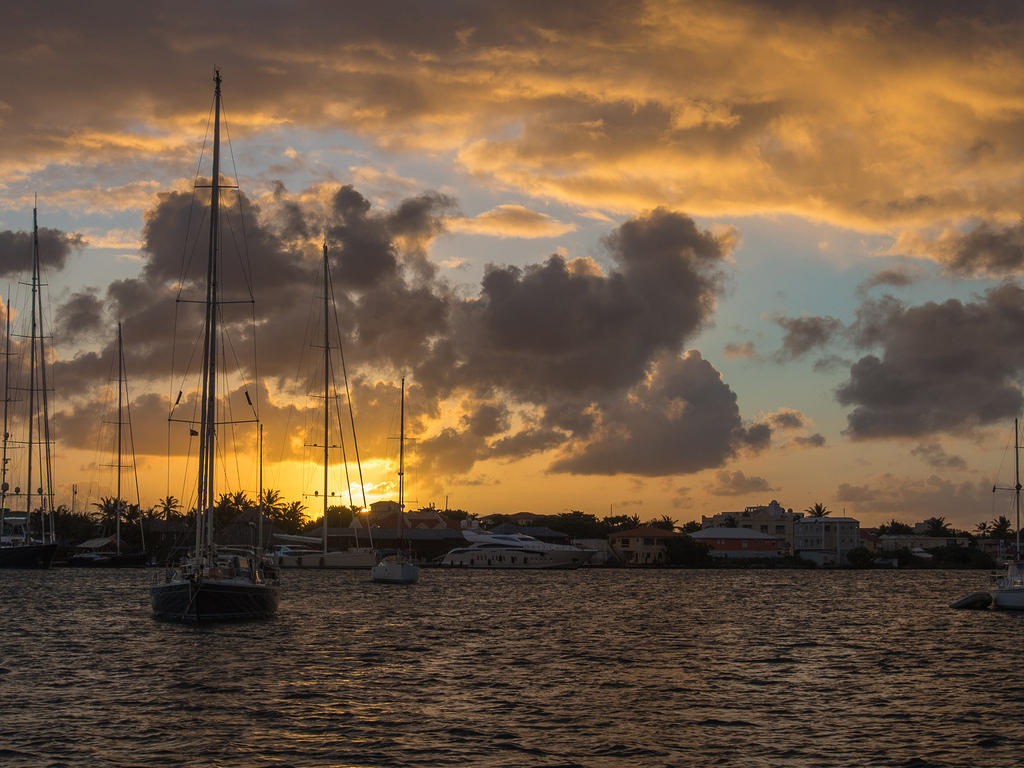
(395, 568)
(515, 550)
(1008, 589)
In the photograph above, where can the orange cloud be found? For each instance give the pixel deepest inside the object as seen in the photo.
(512, 221)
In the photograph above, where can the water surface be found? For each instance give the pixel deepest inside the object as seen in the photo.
(602, 668)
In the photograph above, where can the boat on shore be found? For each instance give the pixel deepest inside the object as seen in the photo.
(514, 551)
(213, 583)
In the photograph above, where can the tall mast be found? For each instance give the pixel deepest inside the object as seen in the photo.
(1016, 481)
(259, 532)
(327, 372)
(401, 463)
(45, 484)
(32, 373)
(7, 400)
(120, 423)
(204, 491)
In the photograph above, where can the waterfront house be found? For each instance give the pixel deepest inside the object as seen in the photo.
(738, 543)
(826, 540)
(640, 546)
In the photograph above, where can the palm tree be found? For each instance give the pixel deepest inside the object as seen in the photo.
(982, 528)
(818, 510)
(292, 516)
(664, 522)
(1001, 528)
(937, 526)
(169, 507)
(895, 527)
(272, 501)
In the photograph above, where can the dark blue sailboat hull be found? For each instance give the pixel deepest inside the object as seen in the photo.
(27, 556)
(194, 601)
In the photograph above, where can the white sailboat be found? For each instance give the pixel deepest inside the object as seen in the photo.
(1008, 589)
(297, 551)
(397, 567)
(213, 584)
(20, 545)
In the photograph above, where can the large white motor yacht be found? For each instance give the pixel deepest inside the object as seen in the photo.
(514, 550)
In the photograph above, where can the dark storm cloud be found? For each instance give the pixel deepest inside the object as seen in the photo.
(737, 484)
(683, 418)
(942, 367)
(525, 443)
(788, 419)
(81, 315)
(897, 277)
(572, 342)
(988, 249)
(804, 334)
(562, 328)
(54, 249)
(855, 493)
(817, 440)
(933, 455)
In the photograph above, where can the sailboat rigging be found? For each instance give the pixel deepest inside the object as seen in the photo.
(213, 584)
(91, 556)
(287, 555)
(20, 547)
(397, 567)
(1008, 589)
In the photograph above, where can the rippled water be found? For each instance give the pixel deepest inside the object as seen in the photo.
(583, 668)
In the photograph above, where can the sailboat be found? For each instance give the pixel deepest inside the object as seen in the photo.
(20, 546)
(213, 584)
(302, 556)
(396, 567)
(1008, 589)
(92, 556)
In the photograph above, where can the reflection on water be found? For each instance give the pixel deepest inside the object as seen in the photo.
(582, 668)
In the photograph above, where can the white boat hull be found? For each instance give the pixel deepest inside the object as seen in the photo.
(1009, 599)
(351, 558)
(395, 572)
(552, 558)
(1008, 592)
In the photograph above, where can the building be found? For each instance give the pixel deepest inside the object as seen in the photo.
(891, 542)
(640, 546)
(826, 540)
(738, 543)
(772, 519)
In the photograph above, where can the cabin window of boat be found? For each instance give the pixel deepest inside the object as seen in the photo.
(648, 541)
(625, 543)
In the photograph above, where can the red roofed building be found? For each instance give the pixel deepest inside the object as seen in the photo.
(738, 542)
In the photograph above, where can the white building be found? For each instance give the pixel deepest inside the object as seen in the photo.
(826, 540)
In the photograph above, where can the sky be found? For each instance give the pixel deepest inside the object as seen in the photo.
(651, 258)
